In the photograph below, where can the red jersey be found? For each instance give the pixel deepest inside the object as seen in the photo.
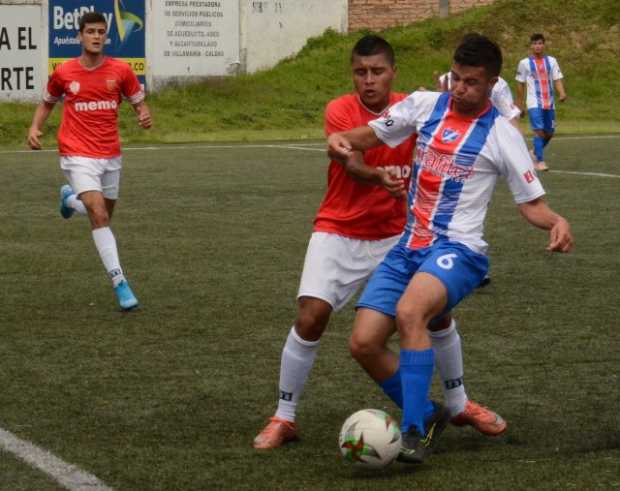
(353, 209)
(89, 125)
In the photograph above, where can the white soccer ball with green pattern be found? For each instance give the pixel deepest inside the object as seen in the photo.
(370, 438)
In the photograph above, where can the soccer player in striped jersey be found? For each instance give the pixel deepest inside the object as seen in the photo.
(93, 87)
(463, 146)
(539, 76)
(361, 217)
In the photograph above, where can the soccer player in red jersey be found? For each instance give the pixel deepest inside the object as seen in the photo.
(360, 219)
(93, 86)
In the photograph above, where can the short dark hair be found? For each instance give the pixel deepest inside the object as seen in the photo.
(478, 50)
(92, 18)
(371, 45)
(537, 36)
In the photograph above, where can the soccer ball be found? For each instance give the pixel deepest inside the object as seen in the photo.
(370, 438)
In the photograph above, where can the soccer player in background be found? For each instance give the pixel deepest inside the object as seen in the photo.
(360, 218)
(463, 146)
(93, 86)
(537, 76)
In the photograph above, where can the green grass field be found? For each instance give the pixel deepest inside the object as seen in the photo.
(213, 239)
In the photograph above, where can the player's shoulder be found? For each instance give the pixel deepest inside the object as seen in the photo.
(68, 66)
(117, 64)
(552, 59)
(344, 103)
(503, 129)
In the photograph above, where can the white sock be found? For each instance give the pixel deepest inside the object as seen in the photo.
(106, 246)
(449, 359)
(298, 357)
(76, 203)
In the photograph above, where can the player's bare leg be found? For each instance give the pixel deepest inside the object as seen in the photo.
(100, 211)
(297, 360)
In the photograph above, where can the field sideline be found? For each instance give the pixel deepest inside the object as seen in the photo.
(212, 238)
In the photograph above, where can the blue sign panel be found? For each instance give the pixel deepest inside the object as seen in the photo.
(126, 24)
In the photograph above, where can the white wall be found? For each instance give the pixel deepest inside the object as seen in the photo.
(187, 40)
(275, 29)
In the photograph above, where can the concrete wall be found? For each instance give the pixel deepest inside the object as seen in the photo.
(274, 29)
(380, 14)
(186, 41)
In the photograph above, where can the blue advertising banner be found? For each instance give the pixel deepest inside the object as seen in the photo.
(126, 24)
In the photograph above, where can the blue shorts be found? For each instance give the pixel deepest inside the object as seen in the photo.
(542, 119)
(458, 267)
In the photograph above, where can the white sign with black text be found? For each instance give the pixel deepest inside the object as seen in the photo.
(20, 56)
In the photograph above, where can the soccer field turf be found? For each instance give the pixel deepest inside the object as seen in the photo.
(212, 239)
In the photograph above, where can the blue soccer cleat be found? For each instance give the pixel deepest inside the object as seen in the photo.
(126, 299)
(65, 211)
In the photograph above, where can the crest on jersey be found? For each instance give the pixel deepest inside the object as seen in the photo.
(449, 135)
(74, 87)
(111, 84)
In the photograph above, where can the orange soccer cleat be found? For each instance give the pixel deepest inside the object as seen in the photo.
(482, 418)
(277, 432)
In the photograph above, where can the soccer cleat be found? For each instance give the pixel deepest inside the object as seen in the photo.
(416, 448)
(482, 418)
(126, 299)
(541, 166)
(277, 432)
(65, 211)
(485, 281)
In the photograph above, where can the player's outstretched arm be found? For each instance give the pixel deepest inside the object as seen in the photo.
(340, 145)
(357, 169)
(41, 114)
(144, 115)
(538, 213)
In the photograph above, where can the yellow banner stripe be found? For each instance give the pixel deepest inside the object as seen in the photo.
(138, 65)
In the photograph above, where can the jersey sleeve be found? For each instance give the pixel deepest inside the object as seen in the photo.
(55, 87)
(337, 118)
(522, 71)
(131, 87)
(556, 73)
(400, 121)
(515, 164)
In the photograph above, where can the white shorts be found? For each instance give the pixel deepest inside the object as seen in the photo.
(336, 266)
(88, 174)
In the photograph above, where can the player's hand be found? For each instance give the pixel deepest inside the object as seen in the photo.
(393, 184)
(561, 237)
(34, 135)
(563, 98)
(144, 118)
(338, 147)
